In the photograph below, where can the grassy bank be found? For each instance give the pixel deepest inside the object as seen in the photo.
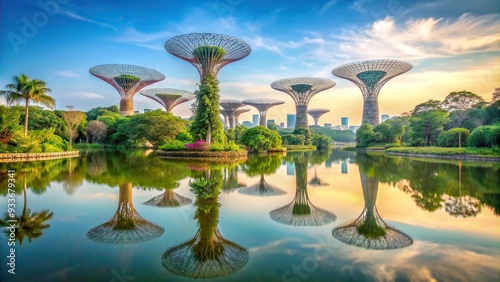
(299, 147)
(446, 151)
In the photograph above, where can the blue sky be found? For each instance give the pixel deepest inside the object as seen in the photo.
(453, 45)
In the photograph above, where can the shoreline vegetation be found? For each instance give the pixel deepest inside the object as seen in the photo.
(467, 153)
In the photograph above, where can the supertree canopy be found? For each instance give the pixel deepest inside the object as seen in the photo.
(230, 106)
(262, 105)
(370, 76)
(317, 113)
(126, 226)
(301, 212)
(169, 199)
(207, 254)
(208, 52)
(127, 80)
(302, 89)
(168, 97)
(369, 230)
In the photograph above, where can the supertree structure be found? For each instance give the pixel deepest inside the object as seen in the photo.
(301, 212)
(369, 230)
(370, 76)
(260, 166)
(208, 53)
(207, 254)
(317, 113)
(126, 226)
(169, 199)
(225, 116)
(316, 181)
(127, 80)
(302, 89)
(168, 97)
(230, 180)
(238, 112)
(262, 105)
(230, 106)
(262, 189)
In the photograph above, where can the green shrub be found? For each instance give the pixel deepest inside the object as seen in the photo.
(321, 142)
(184, 136)
(230, 146)
(292, 139)
(450, 137)
(261, 138)
(174, 145)
(306, 133)
(365, 136)
(485, 136)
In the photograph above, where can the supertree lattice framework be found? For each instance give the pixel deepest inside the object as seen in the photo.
(207, 52)
(126, 226)
(302, 89)
(221, 257)
(169, 199)
(168, 97)
(127, 80)
(238, 112)
(301, 212)
(207, 254)
(262, 189)
(262, 105)
(369, 230)
(370, 76)
(230, 106)
(317, 113)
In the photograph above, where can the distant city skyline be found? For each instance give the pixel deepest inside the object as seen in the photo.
(452, 44)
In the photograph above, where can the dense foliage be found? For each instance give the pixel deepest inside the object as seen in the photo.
(206, 124)
(261, 138)
(430, 124)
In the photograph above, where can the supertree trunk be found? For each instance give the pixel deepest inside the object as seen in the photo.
(301, 117)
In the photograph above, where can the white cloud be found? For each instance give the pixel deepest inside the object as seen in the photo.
(421, 38)
(91, 95)
(82, 18)
(67, 73)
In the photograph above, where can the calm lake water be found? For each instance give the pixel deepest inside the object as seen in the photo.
(333, 216)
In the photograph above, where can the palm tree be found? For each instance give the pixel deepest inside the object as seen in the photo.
(29, 224)
(22, 88)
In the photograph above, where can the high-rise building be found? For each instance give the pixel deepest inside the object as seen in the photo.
(270, 121)
(384, 117)
(290, 121)
(344, 121)
(246, 123)
(328, 125)
(255, 120)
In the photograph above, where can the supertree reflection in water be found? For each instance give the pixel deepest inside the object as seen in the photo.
(126, 226)
(169, 199)
(301, 212)
(262, 165)
(369, 230)
(207, 254)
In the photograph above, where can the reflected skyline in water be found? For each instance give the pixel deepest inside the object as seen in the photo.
(445, 208)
